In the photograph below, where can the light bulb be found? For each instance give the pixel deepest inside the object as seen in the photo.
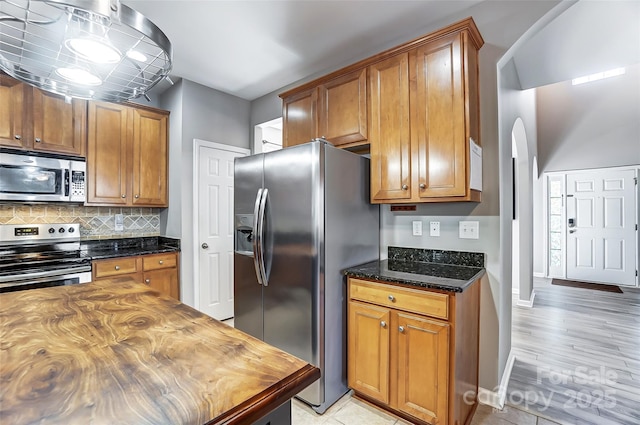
(93, 49)
(79, 76)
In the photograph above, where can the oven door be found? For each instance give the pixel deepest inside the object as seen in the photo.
(32, 178)
(59, 279)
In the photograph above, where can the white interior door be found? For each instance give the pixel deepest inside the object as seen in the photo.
(214, 171)
(601, 240)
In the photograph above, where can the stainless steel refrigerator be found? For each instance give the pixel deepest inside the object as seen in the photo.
(302, 214)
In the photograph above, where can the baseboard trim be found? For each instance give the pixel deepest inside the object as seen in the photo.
(538, 274)
(496, 399)
(527, 303)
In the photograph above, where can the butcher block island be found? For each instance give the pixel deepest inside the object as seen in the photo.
(118, 352)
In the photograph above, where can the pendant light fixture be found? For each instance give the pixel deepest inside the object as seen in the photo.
(88, 49)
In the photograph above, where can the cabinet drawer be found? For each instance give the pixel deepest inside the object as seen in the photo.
(408, 299)
(159, 261)
(115, 267)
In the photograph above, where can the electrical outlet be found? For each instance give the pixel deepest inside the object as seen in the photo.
(417, 228)
(469, 230)
(119, 223)
(434, 228)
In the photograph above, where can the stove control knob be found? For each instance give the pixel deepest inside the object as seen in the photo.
(71, 230)
(52, 230)
(61, 230)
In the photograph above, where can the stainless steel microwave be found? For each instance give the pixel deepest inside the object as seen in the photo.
(34, 178)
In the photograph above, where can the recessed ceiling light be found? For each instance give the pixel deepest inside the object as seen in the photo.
(136, 56)
(94, 50)
(79, 76)
(598, 76)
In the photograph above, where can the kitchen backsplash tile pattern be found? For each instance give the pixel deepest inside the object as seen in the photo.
(95, 222)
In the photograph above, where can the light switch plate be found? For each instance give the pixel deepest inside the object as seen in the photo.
(119, 223)
(469, 230)
(434, 228)
(417, 228)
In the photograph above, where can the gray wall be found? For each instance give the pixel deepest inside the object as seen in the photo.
(197, 112)
(591, 125)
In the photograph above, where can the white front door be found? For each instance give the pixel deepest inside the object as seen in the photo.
(601, 226)
(215, 227)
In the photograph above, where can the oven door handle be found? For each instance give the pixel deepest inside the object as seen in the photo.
(49, 274)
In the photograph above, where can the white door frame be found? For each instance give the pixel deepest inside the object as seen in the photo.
(197, 143)
(546, 212)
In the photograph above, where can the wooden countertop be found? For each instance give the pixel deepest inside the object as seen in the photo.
(116, 352)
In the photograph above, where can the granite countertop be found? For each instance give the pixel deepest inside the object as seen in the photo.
(127, 247)
(424, 268)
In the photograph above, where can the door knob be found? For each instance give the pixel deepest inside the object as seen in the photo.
(17, 137)
(423, 186)
(391, 298)
(147, 281)
(405, 187)
(401, 328)
(383, 324)
(38, 140)
(205, 246)
(117, 268)
(124, 196)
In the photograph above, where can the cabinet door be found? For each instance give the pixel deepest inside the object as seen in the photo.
(368, 350)
(342, 114)
(423, 367)
(438, 122)
(12, 104)
(107, 151)
(164, 281)
(150, 161)
(299, 118)
(58, 126)
(389, 133)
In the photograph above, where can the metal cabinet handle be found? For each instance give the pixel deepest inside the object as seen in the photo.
(38, 140)
(160, 262)
(405, 187)
(136, 196)
(124, 196)
(205, 246)
(572, 231)
(401, 329)
(423, 186)
(391, 298)
(117, 268)
(147, 281)
(17, 137)
(383, 324)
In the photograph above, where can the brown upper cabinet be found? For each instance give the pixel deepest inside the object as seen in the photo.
(32, 119)
(127, 162)
(335, 109)
(415, 105)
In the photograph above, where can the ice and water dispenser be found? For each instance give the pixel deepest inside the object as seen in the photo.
(244, 233)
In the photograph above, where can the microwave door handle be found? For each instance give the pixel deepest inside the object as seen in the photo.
(263, 205)
(66, 183)
(256, 236)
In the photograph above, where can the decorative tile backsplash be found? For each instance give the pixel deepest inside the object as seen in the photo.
(95, 222)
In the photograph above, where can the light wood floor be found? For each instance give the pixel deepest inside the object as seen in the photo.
(578, 356)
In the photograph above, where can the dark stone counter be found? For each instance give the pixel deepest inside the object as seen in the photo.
(127, 247)
(404, 266)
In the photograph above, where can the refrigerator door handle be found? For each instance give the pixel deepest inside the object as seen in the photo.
(257, 236)
(263, 206)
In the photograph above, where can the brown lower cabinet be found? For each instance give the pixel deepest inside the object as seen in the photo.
(159, 271)
(414, 352)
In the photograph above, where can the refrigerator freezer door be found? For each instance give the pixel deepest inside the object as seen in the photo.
(247, 292)
(294, 218)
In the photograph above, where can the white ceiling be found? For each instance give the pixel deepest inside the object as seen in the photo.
(251, 48)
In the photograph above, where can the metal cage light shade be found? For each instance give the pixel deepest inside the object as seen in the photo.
(88, 49)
